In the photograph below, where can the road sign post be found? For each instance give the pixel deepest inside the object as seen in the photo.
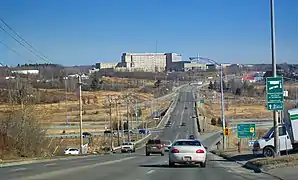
(246, 131)
(275, 93)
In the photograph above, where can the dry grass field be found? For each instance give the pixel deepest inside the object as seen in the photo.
(95, 106)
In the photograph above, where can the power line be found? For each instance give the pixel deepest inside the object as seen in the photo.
(13, 50)
(10, 28)
(36, 54)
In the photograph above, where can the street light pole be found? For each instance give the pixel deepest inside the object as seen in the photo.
(274, 74)
(222, 97)
(222, 107)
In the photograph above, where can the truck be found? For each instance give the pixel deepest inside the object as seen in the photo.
(288, 137)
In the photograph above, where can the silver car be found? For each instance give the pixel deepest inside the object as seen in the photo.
(187, 151)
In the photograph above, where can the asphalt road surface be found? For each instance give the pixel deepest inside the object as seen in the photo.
(137, 166)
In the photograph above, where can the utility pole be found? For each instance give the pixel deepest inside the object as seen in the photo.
(127, 115)
(131, 120)
(111, 125)
(118, 123)
(274, 74)
(81, 114)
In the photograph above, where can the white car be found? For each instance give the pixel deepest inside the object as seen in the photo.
(128, 147)
(187, 151)
(167, 144)
(72, 151)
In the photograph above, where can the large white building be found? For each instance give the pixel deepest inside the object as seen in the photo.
(149, 62)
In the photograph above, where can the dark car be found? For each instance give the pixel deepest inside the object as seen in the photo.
(183, 124)
(169, 124)
(191, 137)
(86, 134)
(185, 107)
(155, 146)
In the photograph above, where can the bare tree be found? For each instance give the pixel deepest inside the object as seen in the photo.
(20, 132)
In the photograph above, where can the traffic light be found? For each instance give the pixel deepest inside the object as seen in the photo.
(227, 131)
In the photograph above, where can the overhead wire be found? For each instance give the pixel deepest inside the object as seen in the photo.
(13, 50)
(31, 46)
(39, 55)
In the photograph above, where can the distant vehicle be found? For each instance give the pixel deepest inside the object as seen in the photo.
(85, 134)
(108, 132)
(185, 107)
(167, 144)
(191, 137)
(183, 124)
(187, 151)
(128, 147)
(169, 124)
(126, 132)
(154, 146)
(72, 151)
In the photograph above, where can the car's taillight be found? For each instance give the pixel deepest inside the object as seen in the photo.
(175, 151)
(159, 146)
(200, 151)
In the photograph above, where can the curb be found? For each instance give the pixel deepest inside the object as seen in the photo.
(247, 165)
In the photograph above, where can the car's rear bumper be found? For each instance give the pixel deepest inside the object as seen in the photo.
(154, 151)
(126, 149)
(167, 148)
(181, 158)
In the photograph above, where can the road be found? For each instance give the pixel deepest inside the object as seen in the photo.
(137, 166)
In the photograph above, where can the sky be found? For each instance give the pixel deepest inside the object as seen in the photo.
(84, 32)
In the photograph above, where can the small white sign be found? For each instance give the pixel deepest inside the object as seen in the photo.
(286, 93)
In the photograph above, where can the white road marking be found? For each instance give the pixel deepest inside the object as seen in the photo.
(18, 169)
(177, 136)
(49, 175)
(181, 117)
(51, 164)
(150, 172)
(173, 124)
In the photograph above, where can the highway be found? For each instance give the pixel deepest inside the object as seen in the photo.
(137, 166)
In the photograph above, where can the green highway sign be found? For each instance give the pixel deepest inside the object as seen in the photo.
(202, 101)
(275, 91)
(246, 130)
(274, 85)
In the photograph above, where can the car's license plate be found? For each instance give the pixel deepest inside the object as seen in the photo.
(187, 158)
(154, 147)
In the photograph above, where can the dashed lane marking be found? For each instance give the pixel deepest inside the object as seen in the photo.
(18, 169)
(151, 171)
(50, 164)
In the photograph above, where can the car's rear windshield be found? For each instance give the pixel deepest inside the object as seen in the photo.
(154, 141)
(127, 143)
(187, 143)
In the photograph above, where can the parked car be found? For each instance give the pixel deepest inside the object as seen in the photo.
(154, 146)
